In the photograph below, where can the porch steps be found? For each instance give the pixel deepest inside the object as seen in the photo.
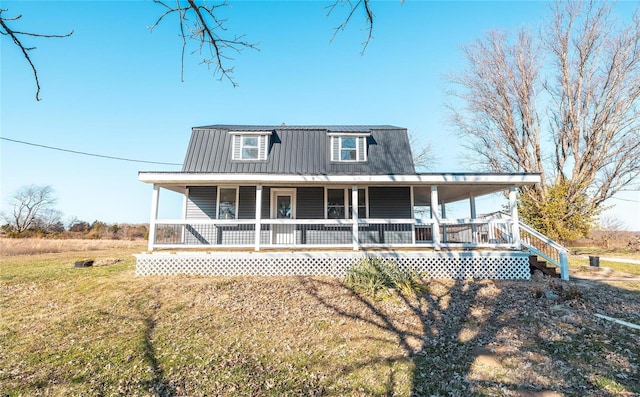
(536, 263)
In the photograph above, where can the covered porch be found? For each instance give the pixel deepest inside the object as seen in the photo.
(242, 212)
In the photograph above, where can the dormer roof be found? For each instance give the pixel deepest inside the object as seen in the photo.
(302, 150)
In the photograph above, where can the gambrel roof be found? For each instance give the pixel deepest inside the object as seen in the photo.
(300, 150)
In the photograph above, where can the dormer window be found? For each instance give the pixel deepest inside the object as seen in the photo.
(250, 146)
(349, 148)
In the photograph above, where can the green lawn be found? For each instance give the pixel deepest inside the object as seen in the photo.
(102, 331)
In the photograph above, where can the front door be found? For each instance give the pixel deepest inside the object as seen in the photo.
(283, 207)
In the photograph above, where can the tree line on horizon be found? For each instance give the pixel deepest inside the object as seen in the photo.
(33, 214)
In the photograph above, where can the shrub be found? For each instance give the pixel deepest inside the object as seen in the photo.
(379, 278)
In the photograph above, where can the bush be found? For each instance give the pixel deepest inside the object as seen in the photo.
(379, 278)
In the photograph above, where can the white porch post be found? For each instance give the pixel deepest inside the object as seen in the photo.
(474, 227)
(444, 216)
(258, 223)
(413, 216)
(515, 221)
(155, 197)
(354, 217)
(435, 218)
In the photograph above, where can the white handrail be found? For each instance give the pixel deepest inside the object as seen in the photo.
(563, 257)
(541, 237)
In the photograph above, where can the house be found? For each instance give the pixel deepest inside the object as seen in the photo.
(313, 200)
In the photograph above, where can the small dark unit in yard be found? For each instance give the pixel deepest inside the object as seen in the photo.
(84, 263)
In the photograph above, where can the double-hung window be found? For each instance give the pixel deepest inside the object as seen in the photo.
(227, 203)
(335, 204)
(349, 148)
(339, 203)
(249, 146)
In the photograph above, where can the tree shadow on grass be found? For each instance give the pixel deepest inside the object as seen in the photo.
(157, 385)
(432, 338)
(460, 338)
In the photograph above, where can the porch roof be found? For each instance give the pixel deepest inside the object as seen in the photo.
(451, 186)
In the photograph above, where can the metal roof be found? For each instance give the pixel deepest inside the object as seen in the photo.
(301, 150)
(284, 127)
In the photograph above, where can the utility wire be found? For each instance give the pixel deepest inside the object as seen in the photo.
(621, 199)
(87, 154)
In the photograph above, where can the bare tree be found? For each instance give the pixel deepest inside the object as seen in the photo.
(423, 156)
(49, 220)
(15, 35)
(611, 227)
(577, 86)
(28, 204)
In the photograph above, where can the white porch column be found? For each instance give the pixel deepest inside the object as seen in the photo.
(413, 216)
(474, 227)
(444, 216)
(435, 218)
(515, 221)
(258, 223)
(354, 217)
(155, 197)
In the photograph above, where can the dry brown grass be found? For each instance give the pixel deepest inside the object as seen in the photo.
(33, 246)
(102, 331)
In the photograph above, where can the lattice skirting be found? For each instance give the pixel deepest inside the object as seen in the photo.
(458, 265)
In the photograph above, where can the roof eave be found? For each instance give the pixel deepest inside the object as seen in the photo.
(183, 178)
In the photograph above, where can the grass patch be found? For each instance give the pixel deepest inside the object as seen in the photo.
(103, 331)
(629, 268)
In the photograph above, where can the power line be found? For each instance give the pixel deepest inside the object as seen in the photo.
(621, 199)
(87, 154)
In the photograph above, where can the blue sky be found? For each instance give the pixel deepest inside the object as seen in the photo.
(114, 88)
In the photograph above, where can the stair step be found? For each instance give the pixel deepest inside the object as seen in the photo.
(536, 263)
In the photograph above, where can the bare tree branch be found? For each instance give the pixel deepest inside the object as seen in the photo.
(423, 156)
(200, 24)
(6, 30)
(353, 7)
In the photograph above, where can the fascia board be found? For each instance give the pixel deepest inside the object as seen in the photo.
(428, 179)
(249, 132)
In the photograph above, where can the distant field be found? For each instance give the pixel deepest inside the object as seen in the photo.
(30, 246)
(68, 331)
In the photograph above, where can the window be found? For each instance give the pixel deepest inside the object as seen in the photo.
(362, 203)
(348, 151)
(336, 199)
(349, 148)
(227, 200)
(249, 146)
(335, 204)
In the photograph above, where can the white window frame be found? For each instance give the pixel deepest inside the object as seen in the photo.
(243, 146)
(239, 145)
(354, 149)
(219, 188)
(347, 199)
(361, 155)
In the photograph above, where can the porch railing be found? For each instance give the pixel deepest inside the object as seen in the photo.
(539, 244)
(338, 233)
(543, 246)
